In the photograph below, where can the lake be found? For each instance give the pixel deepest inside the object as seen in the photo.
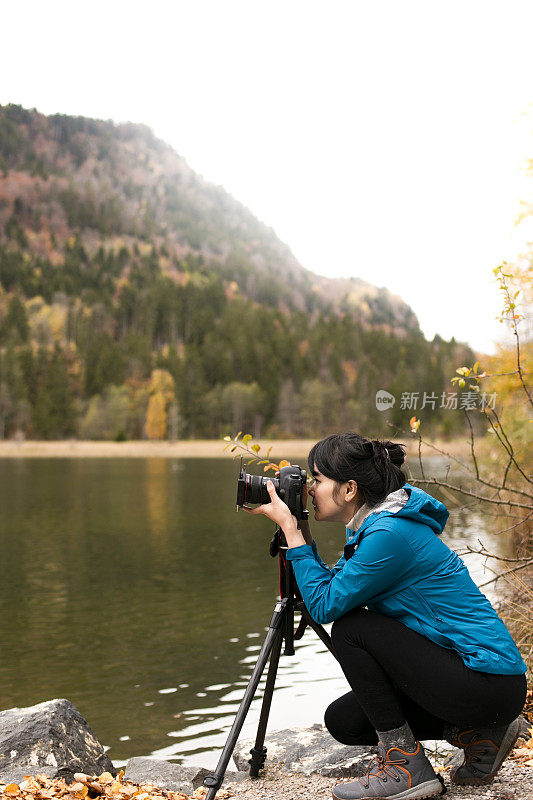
(132, 588)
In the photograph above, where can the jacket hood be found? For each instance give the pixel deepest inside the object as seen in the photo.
(420, 507)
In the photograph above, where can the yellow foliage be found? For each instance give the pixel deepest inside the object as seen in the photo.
(47, 323)
(350, 372)
(156, 417)
(518, 299)
(162, 382)
(145, 248)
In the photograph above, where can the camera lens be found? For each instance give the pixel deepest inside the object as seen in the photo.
(252, 489)
(256, 490)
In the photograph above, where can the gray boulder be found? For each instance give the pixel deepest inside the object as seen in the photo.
(309, 750)
(52, 739)
(174, 777)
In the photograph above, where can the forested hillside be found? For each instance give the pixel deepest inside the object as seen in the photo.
(138, 300)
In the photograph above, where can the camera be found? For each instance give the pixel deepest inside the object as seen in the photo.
(289, 485)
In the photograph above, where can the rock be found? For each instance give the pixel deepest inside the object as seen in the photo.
(309, 750)
(52, 739)
(174, 777)
(17, 775)
(164, 774)
(525, 729)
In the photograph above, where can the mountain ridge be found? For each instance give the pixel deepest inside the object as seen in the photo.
(153, 193)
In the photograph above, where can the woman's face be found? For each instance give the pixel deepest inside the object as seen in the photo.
(332, 501)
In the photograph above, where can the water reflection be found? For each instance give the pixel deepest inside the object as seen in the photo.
(157, 495)
(131, 587)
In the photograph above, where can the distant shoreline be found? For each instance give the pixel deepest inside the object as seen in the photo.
(212, 448)
(205, 448)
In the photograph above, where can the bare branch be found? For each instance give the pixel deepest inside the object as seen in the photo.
(507, 572)
(515, 320)
(516, 525)
(506, 472)
(506, 444)
(444, 453)
(520, 371)
(498, 374)
(503, 431)
(468, 469)
(420, 456)
(467, 415)
(482, 551)
(435, 482)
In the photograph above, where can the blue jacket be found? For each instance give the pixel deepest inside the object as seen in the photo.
(395, 564)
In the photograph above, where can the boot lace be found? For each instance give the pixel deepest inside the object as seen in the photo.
(383, 768)
(475, 749)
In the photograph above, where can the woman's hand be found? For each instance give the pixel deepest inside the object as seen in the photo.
(279, 512)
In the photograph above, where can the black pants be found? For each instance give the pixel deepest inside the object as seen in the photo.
(397, 676)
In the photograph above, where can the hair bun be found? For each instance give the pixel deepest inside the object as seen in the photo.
(396, 452)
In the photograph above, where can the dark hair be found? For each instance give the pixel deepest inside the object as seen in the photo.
(373, 464)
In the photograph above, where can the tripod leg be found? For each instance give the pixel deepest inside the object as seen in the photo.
(318, 629)
(258, 751)
(213, 781)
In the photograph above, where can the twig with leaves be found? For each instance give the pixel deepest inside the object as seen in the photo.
(510, 313)
(247, 447)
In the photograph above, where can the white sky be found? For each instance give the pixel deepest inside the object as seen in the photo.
(380, 139)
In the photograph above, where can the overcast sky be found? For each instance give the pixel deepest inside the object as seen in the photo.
(382, 140)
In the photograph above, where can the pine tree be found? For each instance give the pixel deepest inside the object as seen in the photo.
(54, 413)
(15, 326)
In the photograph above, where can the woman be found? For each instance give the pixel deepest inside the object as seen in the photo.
(425, 654)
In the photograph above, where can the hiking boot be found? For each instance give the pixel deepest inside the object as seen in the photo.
(393, 775)
(485, 751)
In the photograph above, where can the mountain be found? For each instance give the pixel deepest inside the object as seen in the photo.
(137, 299)
(108, 181)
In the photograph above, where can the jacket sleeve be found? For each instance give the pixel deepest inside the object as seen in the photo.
(311, 550)
(318, 558)
(380, 560)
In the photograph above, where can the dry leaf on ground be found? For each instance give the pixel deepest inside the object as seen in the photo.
(523, 754)
(99, 787)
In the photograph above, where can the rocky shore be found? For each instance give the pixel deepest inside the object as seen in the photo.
(512, 783)
(53, 743)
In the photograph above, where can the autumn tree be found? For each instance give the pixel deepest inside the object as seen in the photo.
(162, 395)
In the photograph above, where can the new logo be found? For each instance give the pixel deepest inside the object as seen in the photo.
(384, 400)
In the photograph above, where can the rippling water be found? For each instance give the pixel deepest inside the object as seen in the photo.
(132, 588)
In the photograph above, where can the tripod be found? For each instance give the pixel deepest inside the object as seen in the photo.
(281, 629)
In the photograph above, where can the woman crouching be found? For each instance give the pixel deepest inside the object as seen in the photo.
(423, 651)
